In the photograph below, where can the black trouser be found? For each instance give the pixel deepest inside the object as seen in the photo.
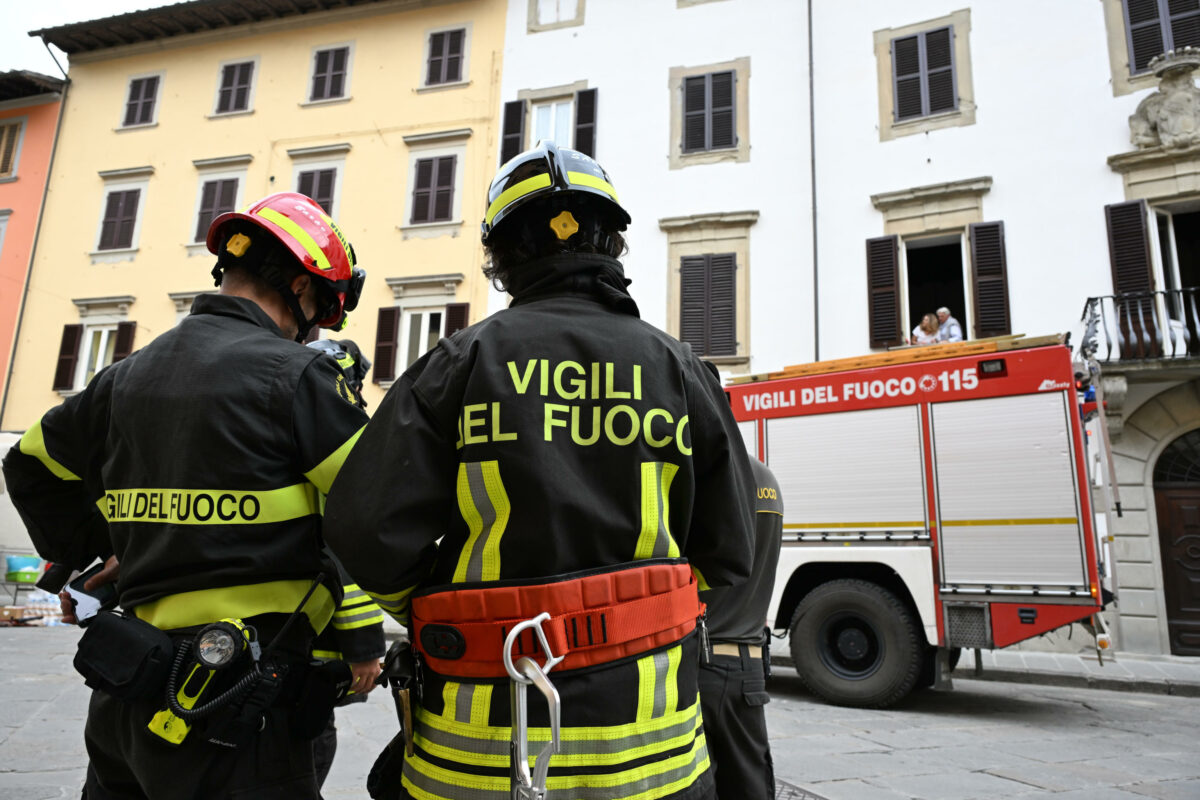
(324, 749)
(733, 692)
(128, 762)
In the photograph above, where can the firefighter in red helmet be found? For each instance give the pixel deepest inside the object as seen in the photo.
(199, 464)
(562, 477)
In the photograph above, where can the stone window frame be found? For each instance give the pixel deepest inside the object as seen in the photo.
(96, 313)
(420, 293)
(533, 26)
(212, 169)
(464, 68)
(1123, 81)
(5, 213)
(702, 234)
(250, 95)
(183, 301)
(157, 106)
(345, 96)
(548, 94)
(22, 124)
(121, 180)
(320, 157)
(435, 145)
(739, 153)
(889, 128)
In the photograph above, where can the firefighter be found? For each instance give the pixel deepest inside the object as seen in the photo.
(733, 689)
(353, 363)
(568, 456)
(199, 462)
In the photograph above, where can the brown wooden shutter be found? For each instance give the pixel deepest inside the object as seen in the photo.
(443, 181)
(8, 147)
(990, 275)
(457, 317)
(422, 204)
(387, 341)
(585, 122)
(1145, 32)
(693, 308)
(512, 139)
(124, 343)
(695, 113)
(906, 78)
(722, 305)
(1129, 247)
(883, 291)
(68, 356)
(722, 132)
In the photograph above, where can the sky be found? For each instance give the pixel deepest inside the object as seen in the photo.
(20, 51)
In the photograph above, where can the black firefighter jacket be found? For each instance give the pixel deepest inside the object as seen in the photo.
(554, 436)
(200, 461)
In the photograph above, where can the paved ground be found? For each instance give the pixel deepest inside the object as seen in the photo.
(983, 740)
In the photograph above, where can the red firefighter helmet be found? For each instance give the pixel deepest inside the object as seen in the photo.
(303, 227)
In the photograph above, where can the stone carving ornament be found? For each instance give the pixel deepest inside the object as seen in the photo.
(1170, 117)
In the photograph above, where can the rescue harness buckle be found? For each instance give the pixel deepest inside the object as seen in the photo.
(524, 673)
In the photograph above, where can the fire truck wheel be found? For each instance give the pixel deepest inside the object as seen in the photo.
(855, 643)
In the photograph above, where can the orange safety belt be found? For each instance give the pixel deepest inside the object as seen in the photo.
(596, 617)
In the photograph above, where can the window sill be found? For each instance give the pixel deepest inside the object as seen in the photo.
(900, 124)
(437, 87)
(385, 385)
(143, 126)
(328, 101)
(429, 230)
(197, 249)
(9, 179)
(68, 392)
(738, 154)
(113, 256)
(223, 114)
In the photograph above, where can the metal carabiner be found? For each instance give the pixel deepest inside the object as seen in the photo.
(526, 672)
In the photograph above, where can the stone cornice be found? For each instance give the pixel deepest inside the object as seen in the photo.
(936, 191)
(438, 136)
(339, 149)
(223, 162)
(1151, 157)
(728, 218)
(128, 172)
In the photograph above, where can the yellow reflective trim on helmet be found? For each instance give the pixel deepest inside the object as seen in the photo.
(587, 179)
(34, 444)
(299, 234)
(514, 192)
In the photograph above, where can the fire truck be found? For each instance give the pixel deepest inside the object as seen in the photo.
(935, 498)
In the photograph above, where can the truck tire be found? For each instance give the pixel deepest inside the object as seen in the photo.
(855, 643)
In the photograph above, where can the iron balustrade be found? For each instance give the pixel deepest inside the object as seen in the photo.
(1143, 325)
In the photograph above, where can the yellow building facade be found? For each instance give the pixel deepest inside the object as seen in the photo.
(385, 112)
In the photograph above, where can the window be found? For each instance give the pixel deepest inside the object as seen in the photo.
(445, 64)
(319, 185)
(405, 333)
(708, 302)
(120, 219)
(565, 115)
(923, 74)
(545, 15)
(103, 336)
(10, 147)
(4, 215)
(1154, 27)
(141, 106)
(216, 197)
(433, 190)
(331, 69)
(710, 108)
(233, 93)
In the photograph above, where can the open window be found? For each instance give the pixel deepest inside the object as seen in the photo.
(104, 335)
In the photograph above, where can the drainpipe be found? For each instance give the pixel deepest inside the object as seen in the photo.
(812, 170)
(37, 232)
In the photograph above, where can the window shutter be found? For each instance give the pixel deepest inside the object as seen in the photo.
(68, 356)
(120, 214)
(990, 276)
(454, 56)
(939, 70)
(387, 339)
(585, 122)
(1185, 23)
(906, 77)
(722, 308)
(149, 89)
(457, 317)
(1145, 32)
(319, 76)
(512, 140)
(693, 302)
(695, 113)
(1129, 247)
(208, 202)
(883, 291)
(225, 96)
(437, 44)
(318, 184)
(124, 343)
(337, 77)
(443, 202)
(721, 129)
(241, 92)
(423, 191)
(8, 147)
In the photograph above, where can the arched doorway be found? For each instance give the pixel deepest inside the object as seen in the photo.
(1177, 501)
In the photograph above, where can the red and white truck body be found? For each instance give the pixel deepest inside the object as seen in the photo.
(957, 485)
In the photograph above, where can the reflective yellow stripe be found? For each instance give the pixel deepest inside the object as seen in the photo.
(955, 523)
(209, 506)
(395, 604)
(450, 699)
(361, 620)
(32, 444)
(515, 191)
(701, 584)
(346, 362)
(645, 706)
(327, 655)
(481, 703)
(299, 234)
(484, 505)
(239, 602)
(322, 474)
(587, 179)
(655, 540)
(674, 655)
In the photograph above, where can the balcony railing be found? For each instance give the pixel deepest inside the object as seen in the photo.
(1143, 325)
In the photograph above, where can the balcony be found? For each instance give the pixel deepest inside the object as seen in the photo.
(1149, 327)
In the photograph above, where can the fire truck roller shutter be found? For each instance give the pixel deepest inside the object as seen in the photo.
(1007, 491)
(749, 431)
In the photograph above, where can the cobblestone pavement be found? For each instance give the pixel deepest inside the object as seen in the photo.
(982, 740)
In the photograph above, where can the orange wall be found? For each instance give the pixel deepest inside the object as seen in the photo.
(23, 197)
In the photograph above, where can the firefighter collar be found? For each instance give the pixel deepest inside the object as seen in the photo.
(592, 274)
(227, 305)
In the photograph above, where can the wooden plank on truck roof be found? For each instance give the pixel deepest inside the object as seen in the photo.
(907, 355)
